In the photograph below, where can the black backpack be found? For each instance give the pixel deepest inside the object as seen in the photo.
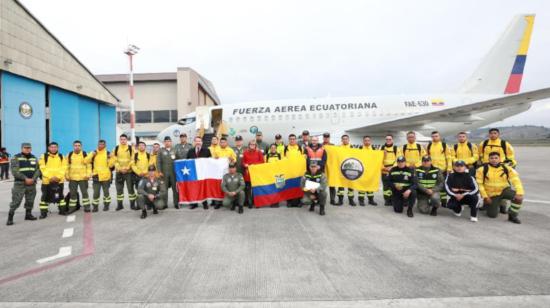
(136, 157)
(418, 148)
(47, 156)
(129, 150)
(502, 145)
(71, 154)
(505, 171)
(469, 147)
(430, 146)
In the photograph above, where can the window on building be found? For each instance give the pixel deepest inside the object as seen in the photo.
(161, 116)
(173, 116)
(123, 117)
(143, 116)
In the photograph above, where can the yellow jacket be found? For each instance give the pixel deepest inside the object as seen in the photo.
(496, 180)
(496, 146)
(441, 158)
(78, 166)
(123, 159)
(55, 167)
(141, 163)
(412, 154)
(390, 155)
(225, 152)
(461, 151)
(293, 150)
(214, 149)
(101, 163)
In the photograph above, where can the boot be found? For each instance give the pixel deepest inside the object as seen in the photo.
(63, 210)
(361, 201)
(143, 214)
(10, 218)
(372, 202)
(95, 208)
(133, 205)
(28, 215)
(312, 208)
(444, 203)
(233, 206)
(434, 211)
(205, 205)
(250, 206)
(410, 211)
(119, 206)
(503, 209)
(322, 210)
(43, 214)
(240, 209)
(351, 201)
(513, 217)
(73, 209)
(105, 207)
(217, 206)
(87, 208)
(155, 211)
(340, 201)
(332, 193)
(387, 202)
(193, 206)
(177, 206)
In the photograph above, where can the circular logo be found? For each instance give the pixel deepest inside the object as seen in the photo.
(253, 129)
(176, 133)
(25, 110)
(352, 169)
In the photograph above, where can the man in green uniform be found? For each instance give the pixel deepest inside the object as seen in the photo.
(165, 166)
(150, 193)
(183, 147)
(233, 188)
(317, 195)
(430, 183)
(239, 149)
(24, 167)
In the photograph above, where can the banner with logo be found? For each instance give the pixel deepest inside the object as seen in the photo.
(354, 168)
(277, 181)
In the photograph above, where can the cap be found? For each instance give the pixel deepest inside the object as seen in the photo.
(183, 135)
(313, 163)
(259, 134)
(278, 136)
(25, 145)
(152, 168)
(326, 135)
(238, 137)
(460, 162)
(232, 165)
(306, 132)
(426, 158)
(401, 159)
(167, 138)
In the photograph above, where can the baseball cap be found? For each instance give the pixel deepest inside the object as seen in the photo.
(259, 134)
(238, 137)
(25, 145)
(326, 135)
(278, 136)
(152, 168)
(401, 159)
(183, 135)
(306, 132)
(426, 158)
(232, 165)
(460, 162)
(167, 138)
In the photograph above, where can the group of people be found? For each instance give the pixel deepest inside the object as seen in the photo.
(438, 175)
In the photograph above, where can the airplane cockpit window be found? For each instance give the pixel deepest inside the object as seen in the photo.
(186, 121)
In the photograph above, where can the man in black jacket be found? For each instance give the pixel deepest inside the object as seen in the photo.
(402, 181)
(198, 152)
(463, 190)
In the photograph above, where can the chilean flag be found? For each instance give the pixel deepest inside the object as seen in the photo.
(200, 179)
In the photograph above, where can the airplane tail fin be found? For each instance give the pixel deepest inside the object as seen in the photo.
(501, 71)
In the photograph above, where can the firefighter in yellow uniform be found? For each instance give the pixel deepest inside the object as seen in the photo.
(495, 144)
(293, 149)
(123, 155)
(390, 155)
(467, 152)
(367, 146)
(442, 158)
(214, 146)
(140, 166)
(102, 164)
(224, 150)
(498, 183)
(340, 192)
(412, 151)
(79, 172)
(52, 166)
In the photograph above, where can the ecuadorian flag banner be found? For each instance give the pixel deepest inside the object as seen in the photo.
(277, 181)
(354, 168)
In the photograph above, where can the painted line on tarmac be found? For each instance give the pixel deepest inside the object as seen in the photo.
(89, 249)
(63, 252)
(537, 201)
(71, 218)
(68, 232)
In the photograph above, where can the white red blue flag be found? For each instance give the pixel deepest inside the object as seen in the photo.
(200, 179)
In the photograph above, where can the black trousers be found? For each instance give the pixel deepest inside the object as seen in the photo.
(4, 174)
(399, 202)
(470, 200)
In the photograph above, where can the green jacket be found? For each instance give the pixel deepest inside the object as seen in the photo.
(319, 177)
(233, 183)
(165, 161)
(25, 167)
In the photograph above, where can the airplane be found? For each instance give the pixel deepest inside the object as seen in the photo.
(491, 94)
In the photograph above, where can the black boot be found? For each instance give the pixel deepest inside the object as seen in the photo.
(444, 203)
(87, 209)
(10, 218)
(351, 201)
(28, 215)
(372, 202)
(503, 209)
(143, 214)
(322, 209)
(217, 206)
(155, 211)
(205, 205)
(177, 206)
(63, 210)
(72, 209)
(434, 211)
(250, 206)
(332, 192)
(133, 205)
(95, 208)
(119, 206)
(193, 206)
(361, 201)
(233, 206)
(312, 207)
(240, 209)
(410, 211)
(387, 202)
(340, 201)
(513, 217)
(105, 207)
(43, 214)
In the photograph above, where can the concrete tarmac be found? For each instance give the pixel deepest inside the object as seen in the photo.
(281, 257)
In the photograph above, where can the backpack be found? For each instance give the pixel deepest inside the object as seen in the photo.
(418, 148)
(505, 171)
(469, 147)
(94, 153)
(71, 154)
(502, 145)
(136, 157)
(129, 150)
(299, 149)
(47, 155)
(430, 145)
(394, 148)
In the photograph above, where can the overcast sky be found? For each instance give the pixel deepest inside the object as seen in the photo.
(258, 50)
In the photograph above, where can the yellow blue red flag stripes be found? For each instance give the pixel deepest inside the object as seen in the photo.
(277, 181)
(354, 168)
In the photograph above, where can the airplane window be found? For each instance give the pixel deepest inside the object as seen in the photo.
(343, 114)
(258, 118)
(244, 119)
(299, 117)
(335, 115)
(307, 116)
(237, 119)
(287, 117)
(186, 121)
(280, 117)
(320, 115)
(293, 117)
(266, 118)
(351, 114)
(231, 119)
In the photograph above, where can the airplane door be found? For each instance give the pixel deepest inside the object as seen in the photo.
(203, 117)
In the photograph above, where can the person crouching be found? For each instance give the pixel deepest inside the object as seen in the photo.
(149, 193)
(463, 190)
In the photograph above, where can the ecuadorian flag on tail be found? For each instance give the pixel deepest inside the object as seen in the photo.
(277, 181)
(354, 168)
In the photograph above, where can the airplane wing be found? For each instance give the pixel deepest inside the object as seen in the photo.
(464, 113)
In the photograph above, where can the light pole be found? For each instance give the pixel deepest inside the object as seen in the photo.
(132, 50)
